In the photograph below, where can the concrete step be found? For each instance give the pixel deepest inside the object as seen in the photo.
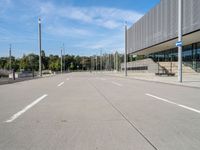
(174, 67)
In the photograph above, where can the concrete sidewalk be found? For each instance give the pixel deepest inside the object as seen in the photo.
(10, 81)
(190, 80)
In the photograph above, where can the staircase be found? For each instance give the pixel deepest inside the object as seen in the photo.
(172, 67)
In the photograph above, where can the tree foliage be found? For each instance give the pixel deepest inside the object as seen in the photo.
(30, 62)
(52, 62)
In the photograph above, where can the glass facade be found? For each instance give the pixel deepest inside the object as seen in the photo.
(190, 56)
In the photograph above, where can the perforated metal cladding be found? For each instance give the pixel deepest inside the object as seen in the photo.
(161, 24)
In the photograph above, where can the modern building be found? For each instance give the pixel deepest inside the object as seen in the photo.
(155, 34)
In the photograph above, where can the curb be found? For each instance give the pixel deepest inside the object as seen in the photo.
(174, 84)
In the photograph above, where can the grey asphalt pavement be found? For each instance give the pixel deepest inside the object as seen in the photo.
(87, 111)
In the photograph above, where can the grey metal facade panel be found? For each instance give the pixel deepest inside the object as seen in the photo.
(160, 24)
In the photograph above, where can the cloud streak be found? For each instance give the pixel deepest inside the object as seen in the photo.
(110, 18)
(63, 31)
(85, 28)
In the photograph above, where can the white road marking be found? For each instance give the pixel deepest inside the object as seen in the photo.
(179, 105)
(15, 116)
(118, 84)
(67, 79)
(60, 84)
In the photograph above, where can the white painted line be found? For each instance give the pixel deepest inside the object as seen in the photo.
(60, 84)
(118, 84)
(15, 116)
(179, 105)
(67, 79)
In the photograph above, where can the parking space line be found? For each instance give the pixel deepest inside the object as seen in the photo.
(15, 116)
(115, 83)
(60, 84)
(170, 102)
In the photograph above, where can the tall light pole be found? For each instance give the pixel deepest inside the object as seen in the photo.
(90, 63)
(64, 56)
(40, 47)
(96, 63)
(10, 57)
(101, 61)
(180, 40)
(125, 52)
(61, 61)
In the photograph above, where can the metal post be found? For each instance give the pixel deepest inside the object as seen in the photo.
(61, 61)
(117, 61)
(180, 39)
(109, 62)
(90, 63)
(96, 63)
(10, 59)
(125, 53)
(101, 62)
(40, 48)
(64, 56)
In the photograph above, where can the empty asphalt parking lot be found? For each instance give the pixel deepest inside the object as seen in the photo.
(88, 111)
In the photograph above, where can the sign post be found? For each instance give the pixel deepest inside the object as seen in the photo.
(40, 47)
(179, 43)
(125, 52)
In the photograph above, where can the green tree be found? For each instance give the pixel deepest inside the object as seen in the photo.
(54, 63)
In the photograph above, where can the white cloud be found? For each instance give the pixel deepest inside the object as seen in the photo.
(47, 8)
(85, 28)
(106, 17)
(107, 43)
(64, 31)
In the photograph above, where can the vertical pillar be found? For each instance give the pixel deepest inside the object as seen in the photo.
(180, 40)
(125, 53)
(40, 48)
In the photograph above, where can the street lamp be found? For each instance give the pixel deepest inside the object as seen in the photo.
(61, 61)
(40, 47)
(96, 63)
(101, 61)
(179, 43)
(64, 56)
(125, 52)
(10, 58)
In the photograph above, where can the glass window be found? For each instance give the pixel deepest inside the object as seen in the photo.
(174, 54)
(187, 53)
(198, 52)
(198, 57)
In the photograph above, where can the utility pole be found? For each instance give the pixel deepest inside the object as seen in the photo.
(117, 61)
(125, 53)
(40, 48)
(64, 56)
(61, 61)
(109, 61)
(114, 61)
(93, 62)
(96, 63)
(101, 62)
(90, 63)
(10, 57)
(180, 40)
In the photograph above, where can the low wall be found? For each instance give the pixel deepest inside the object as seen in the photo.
(145, 65)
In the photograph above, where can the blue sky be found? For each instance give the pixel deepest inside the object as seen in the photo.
(84, 26)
